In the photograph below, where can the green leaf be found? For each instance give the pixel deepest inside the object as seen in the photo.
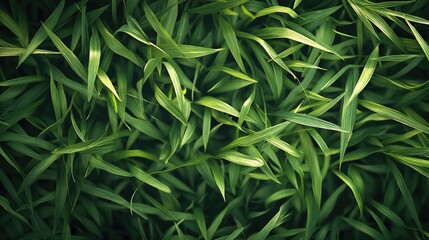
(228, 33)
(241, 159)
(265, 231)
(352, 186)
(115, 45)
(215, 7)
(68, 55)
(422, 42)
(6, 205)
(278, 32)
(394, 115)
(307, 120)
(102, 76)
(148, 179)
(276, 9)
(170, 106)
(37, 170)
(366, 75)
(217, 105)
(40, 35)
(94, 62)
(256, 137)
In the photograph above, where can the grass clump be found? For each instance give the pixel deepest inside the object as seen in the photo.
(237, 119)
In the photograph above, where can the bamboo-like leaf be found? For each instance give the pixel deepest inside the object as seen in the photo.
(308, 120)
(37, 170)
(352, 186)
(148, 179)
(394, 115)
(94, 61)
(278, 32)
(102, 76)
(215, 7)
(40, 35)
(68, 55)
(422, 42)
(170, 106)
(217, 105)
(230, 37)
(276, 9)
(256, 137)
(157, 26)
(366, 75)
(241, 159)
(235, 73)
(115, 45)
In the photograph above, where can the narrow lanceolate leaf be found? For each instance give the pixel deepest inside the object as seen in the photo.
(148, 179)
(115, 45)
(400, 181)
(276, 9)
(352, 186)
(310, 121)
(364, 228)
(394, 115)
(107, 82)
(235, 73)
(206, 127)
(37, 170)
(348, 115)
(366, 75)
(256, 137)
(108, 167)
(278, 32)
(265, 231)
(277, 142)
(241, 159)
(157, 26)
(218, 105)
(40, 35)
(413, 161)
(6, 205)
(68, 55)
(94, 62)
(228, 33)
(215, 7)
(14, 51)
(176, 85)
(218, 176)
(187, 51)
(169, 105)
(422, 42)
(312, 161)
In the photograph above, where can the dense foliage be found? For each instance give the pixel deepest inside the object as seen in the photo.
(238, 119)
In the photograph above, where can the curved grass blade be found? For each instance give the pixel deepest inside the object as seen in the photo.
(36, 171)
(94, 61)
(170, 106)
(241, 159)
(216, 7)
(276, 9)
(307, 120)
(148, 179)
(394, 115)
(366, 75)
(68, 55)
(256, 137)
(115, 45)
(230, 37)
(279, 32)
(217, 105)
(40, 35)
(352, 186)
